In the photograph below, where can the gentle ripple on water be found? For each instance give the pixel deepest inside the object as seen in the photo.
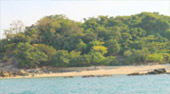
(117, 84)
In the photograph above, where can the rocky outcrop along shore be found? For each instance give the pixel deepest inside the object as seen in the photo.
(155, 71)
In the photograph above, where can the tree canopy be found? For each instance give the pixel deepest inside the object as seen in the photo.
(59, 41)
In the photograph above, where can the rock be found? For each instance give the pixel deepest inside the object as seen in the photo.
(151, 72)
(45, 71)
(33, 75)
(157, 71)
(135, 73)
(22, 73)
(168, 73)
(32, 71)
(105, 75)
(86, 76)
(11, 74)
(4, 74)
(40, 72)
(50, 72)
(68, 77)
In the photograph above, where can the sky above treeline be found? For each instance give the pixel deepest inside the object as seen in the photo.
(29, 11)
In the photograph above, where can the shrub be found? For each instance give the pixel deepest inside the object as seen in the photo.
(154, 58)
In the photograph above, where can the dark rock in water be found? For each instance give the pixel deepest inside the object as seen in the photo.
(135, 73)
(85, 76)
(105, 75)
(168, 73)
(151, 72)
(157, 71)
(160, 70)
(68, 77)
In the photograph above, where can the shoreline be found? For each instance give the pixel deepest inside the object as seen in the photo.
(102, 70)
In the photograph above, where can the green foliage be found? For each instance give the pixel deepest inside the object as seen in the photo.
(136, 56)
(154, 58)
(73, 56)
(100, 49)
(111, 60)
(81, 47)
(29, 56)
(94, 43)
(96, 58)
(113, 47)
(49, 51)
(127, 53)
(82, 60)
(59, 41)
(166, 57)
(61, 58)
(167, 33)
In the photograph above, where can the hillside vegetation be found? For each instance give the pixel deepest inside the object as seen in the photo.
(59, 41)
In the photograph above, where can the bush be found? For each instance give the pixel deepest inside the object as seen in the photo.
(96, 58)
(60, 59)
(28, 56)
(48, 50)
(154, 58)
(110, 60)
(82, 60)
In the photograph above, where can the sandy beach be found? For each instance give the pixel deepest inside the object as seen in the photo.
(102, 70)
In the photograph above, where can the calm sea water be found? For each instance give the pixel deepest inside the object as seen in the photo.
(117, 84)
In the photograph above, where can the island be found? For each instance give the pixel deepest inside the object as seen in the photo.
(58, 46)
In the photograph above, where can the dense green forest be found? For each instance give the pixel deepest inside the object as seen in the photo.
(61, 42)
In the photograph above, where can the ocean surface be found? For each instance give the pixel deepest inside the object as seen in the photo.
(116, 84)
